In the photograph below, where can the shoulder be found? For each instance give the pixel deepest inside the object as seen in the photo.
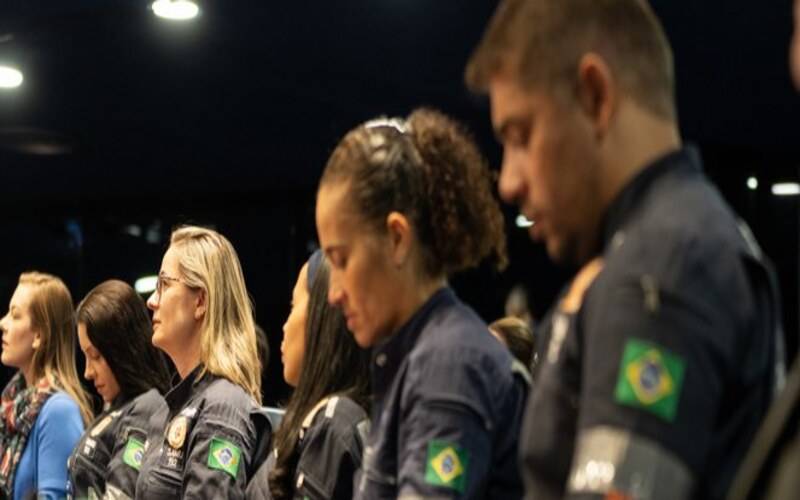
(59, 421)
(146, 403)
(340, 415)
(456, 339)
(60, 406)
(223, 404)
(682, 234)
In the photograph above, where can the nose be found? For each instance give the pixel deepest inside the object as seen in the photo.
(88, 372)
(335, 294)
(510, 184)
(153, 300)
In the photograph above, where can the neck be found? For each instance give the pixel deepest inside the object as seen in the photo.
(418, 294)
(27, 374)
(640, 139)
(188, 358)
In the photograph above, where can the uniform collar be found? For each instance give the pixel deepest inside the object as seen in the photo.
(685, 159)
(387, 356)
(182, 390)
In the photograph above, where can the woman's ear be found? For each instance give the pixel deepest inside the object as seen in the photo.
(37, 340)
(200, 305)
(400, 236)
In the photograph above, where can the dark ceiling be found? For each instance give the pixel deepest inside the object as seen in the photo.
(127, 124)
(253, 94)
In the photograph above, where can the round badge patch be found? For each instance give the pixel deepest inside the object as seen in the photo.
(177, 432)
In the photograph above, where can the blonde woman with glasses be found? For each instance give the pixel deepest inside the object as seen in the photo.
(203, 320)
(44, 407)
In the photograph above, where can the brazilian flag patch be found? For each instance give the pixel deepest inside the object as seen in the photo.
(134, 451)
(447, 465)
(650, 377)
(225, 456)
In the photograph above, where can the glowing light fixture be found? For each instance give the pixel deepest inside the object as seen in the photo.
(752, 183)
(524, 222)
(10, 77)
(786, 189)
(146, 284)
(175, 10)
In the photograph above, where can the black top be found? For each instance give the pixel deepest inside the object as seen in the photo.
(109, 454)
(203, 444)
(447, 410)
(328, 453)
(662, 356)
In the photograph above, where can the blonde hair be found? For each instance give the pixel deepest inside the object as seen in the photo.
(228, 346)
(53, 316)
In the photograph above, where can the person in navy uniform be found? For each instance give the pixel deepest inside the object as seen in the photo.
(320, 442)
(129, 373)
(402, 205)
(663, 353)
(203, 320)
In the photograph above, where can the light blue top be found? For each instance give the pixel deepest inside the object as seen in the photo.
(43, 466)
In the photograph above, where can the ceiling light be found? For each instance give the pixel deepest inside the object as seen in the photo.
(786, 189)
(10, 77)
(146, 284)
(176, 10)
(752, 183)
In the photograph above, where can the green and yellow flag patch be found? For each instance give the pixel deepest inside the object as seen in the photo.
(650, 377)
(225, 456)
(134, 451)
(447, 465)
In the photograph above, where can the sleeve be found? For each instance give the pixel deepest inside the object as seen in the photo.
(658, 350)
(331, 453)
(61, 428)
(220, 448)
(445, 434)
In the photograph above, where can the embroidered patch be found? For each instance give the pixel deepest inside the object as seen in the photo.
(134, 451)
(650, 378)
(447, 465)
(225, 456)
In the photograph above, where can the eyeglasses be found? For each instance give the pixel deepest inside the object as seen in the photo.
(160, 284)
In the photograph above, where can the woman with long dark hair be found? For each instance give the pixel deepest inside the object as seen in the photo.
(129, 373)
(402, 205)
(319, 443)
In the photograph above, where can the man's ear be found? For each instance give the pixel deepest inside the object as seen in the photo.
(400, 236)
(597, 92)
(200, 305)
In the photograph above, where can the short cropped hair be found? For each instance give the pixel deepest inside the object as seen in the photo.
(541, 42)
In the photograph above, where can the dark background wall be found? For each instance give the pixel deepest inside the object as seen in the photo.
(127, 125)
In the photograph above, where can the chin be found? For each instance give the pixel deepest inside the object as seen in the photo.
(364, 339)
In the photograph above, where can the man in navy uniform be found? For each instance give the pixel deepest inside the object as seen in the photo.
(663, 354)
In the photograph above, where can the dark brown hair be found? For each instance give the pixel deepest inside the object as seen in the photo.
(518, 337)
(118, 325)
(542, 41)
(427, 168)
(333, 364)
